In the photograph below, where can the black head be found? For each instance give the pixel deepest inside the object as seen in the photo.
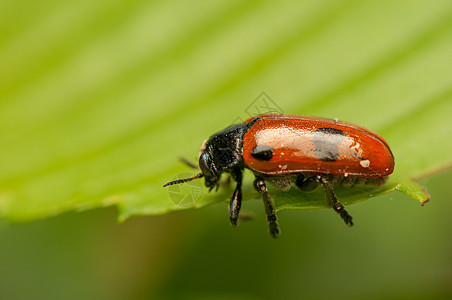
(222, 152)
(208, 169)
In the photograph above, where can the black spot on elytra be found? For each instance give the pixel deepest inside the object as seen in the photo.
(262, 152)
(330, 130)
(326, 141)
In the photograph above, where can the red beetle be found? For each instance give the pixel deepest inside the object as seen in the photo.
(282, 148)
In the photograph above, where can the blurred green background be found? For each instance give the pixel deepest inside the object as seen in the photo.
(98, 99)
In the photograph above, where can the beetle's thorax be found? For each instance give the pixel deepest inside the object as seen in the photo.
(222, 152)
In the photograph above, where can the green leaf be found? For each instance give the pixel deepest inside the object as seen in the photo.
(414, 190)
(99, 99)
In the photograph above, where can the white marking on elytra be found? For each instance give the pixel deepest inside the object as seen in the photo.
(365, 163)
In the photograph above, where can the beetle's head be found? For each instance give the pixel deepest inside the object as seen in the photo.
(208, 169)
(220, 153)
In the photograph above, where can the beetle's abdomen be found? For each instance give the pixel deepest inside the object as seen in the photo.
(282, 144)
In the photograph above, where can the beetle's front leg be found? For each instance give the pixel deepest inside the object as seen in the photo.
(260, 186)
(333, 202)
(236, 200)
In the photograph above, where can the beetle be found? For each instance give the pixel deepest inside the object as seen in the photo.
(283, 148)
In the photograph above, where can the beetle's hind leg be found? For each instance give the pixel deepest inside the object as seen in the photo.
(331, 198)
(259, 185)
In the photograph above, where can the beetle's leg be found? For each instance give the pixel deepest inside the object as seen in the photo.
(236, 200)
(333, 202)
(260, 186)
(307, 185)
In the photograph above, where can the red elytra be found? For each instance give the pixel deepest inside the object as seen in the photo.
(317, 145)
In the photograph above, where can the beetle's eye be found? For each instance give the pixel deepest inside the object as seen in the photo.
(205, 164)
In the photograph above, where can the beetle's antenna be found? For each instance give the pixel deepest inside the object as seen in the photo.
(188, 163)
(184, 180)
